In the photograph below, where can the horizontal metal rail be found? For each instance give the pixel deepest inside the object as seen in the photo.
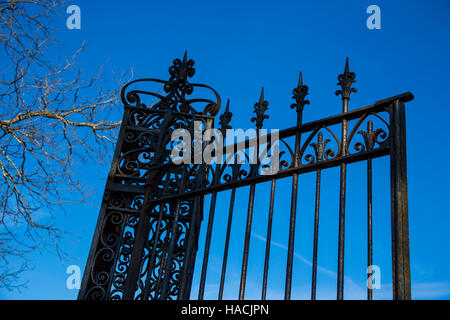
(376, 153)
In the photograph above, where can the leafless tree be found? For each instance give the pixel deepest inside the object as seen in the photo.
(51, 117)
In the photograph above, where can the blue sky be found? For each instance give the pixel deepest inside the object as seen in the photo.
(240, 46)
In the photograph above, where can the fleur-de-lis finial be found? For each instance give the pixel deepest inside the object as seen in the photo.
(225, 119)
(299, 95)
(260, 109)
(182, 69)
(319, 147)
(370, 136)
(346, 80)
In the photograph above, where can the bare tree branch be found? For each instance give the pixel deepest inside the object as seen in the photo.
(51, 115)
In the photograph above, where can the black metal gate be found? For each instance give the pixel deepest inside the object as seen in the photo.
(147, 233)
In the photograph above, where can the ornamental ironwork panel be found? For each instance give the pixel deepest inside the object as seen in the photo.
(147, 234)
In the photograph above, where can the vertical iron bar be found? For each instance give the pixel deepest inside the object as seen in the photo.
(190, 251)
(290, 254)
(342, 195)
(247, 241)
(227, 243)
(401, 281)
(212, 209)
(299, 95)
(369, 223)
(316, 236)
(341, 240)
(151, 262)
(144, 219)
(162, 262)
(225, 119)
(138, 247)
(268, 240)
(345, 81)
(173, 236)
(259, 109)
(163, 290)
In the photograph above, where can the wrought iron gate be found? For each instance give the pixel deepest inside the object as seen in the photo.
(147, 233)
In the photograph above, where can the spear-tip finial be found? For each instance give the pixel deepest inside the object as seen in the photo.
(182, 69)
(299, 95)
(225, 119)
(346, 80)
(227, 107)
(346, 70)
(260, 108)
(261, 98)
(300, 80)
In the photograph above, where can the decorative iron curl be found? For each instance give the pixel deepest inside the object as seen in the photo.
(371, 137)
(320, 152)
(176, 89)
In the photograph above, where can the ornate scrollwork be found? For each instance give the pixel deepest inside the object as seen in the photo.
(176, 89)
(319, 148)
(123, 261)
(235, 168)
(280, 150)
(155, 262)
(371, 137)
(321, 153)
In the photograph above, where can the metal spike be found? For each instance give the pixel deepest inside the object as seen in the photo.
(346, 70)
(260, 108)
(300, 80)
(181, 70)
(299, 95)
(345, 81)
(225, 119)
(261, 98)
(227, 107)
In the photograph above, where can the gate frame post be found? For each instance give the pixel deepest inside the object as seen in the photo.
(90, 263)
(401, 278)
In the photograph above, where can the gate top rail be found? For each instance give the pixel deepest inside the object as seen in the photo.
(374, 152)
